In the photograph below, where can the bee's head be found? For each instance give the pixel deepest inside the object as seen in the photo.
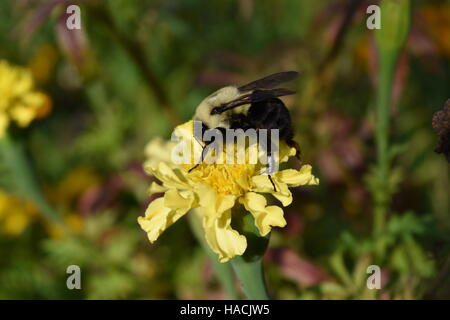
(205, 109)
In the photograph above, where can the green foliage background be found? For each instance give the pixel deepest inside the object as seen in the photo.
(144, 66)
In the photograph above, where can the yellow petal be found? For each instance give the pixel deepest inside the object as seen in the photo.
(23, 114)
(212, 203)
(171, 178)
(186, 139)
(158, 150)
(158, 218)
(262, 184)
(180, 201)
(185, 130)
(222, 239)
(156, 188)
(296, 178)
(34, 99)
(23, 82)
(16, 222)
(265, 217)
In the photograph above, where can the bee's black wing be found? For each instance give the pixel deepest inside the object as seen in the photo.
(255, 96)
(269, 82)
(262, 95)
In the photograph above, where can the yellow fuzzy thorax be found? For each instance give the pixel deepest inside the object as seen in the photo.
(223, 95)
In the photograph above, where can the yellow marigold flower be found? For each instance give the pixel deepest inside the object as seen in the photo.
(15, 214)
(73, 221)
(72, 186)
(65, 195)
(43, 62)
(214, 189)
(19, 102)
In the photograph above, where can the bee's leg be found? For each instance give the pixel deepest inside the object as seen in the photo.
(189, 171)
(205, 150)
(270, 162)
(273, 184)
(201, 159)
(199, 139)
(270, 168)
(293, 144)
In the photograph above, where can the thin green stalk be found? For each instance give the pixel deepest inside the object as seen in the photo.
(382, 196)
(223, 271)
(395, 20)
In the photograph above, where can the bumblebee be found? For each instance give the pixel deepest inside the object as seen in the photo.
(255, 105)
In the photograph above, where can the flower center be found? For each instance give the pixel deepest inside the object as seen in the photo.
(225, 178)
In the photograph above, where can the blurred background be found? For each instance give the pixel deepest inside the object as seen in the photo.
(72, 183)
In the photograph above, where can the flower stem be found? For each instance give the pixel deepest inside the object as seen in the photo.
(393, 32)
(249, 267)
(387, 68)
(223, 271)
(251, 276)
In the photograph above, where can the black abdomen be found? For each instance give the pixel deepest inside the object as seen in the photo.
(268, 114)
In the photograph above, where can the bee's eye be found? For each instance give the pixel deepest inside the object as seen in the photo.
(215, 110)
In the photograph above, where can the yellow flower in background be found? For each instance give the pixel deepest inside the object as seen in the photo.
(15, 214)
(436, 22)
(43, 62)
(72, 220)
(72, 186)
(214, 189)
(64, 196)
(19, 102)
